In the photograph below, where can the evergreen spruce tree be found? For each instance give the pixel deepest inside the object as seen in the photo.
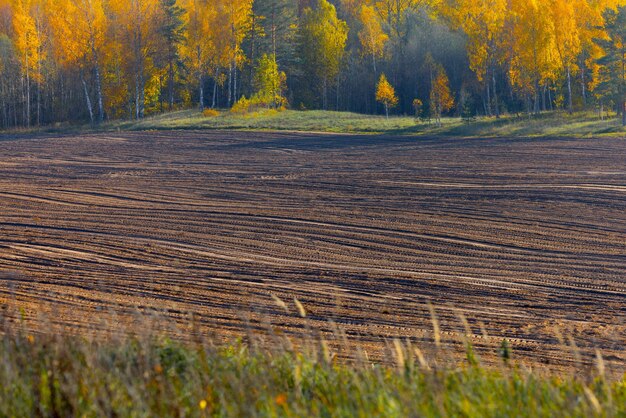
(613, 63)
(173, 33)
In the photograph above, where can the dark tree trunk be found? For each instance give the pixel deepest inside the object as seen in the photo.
(170, 86)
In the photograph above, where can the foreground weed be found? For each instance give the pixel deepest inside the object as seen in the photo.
(70, 376)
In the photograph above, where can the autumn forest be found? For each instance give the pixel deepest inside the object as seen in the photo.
(97, 60)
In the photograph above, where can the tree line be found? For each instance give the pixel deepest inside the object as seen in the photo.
(92, 60)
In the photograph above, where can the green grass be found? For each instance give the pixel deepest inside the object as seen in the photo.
(551, 124)
(144, 376)
(548, 124)
(309, 121)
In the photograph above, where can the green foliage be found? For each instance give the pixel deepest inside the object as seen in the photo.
(277, 22)
(323, 38)
(505, 351)
(173, 26)
(270, 83)
(467, 112)
(417, 107)
(612, 87)
(70, 60)
(172, 30)
(69, 376)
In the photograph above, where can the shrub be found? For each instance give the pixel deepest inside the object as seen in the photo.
(242, 106)
(258, 105)
(210, 113)
(270, 84)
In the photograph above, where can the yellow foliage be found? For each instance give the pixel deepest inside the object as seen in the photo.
(242, 106)
(79, 29)
(483, 21)
(199, 35)
(373, 38)
(254, 106)
(417, 107)
(215, 31)
(270, 83)
(441, 99)
(133, 41)
(386, 94)
(210, 113)
(324, 38)
(153, 93)
(29, 37)
(114, 50)
(533, 53)
(393, 12)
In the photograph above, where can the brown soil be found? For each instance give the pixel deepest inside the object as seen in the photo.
(522, 237)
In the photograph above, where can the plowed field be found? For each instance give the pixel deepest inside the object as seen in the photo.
(521, 236)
